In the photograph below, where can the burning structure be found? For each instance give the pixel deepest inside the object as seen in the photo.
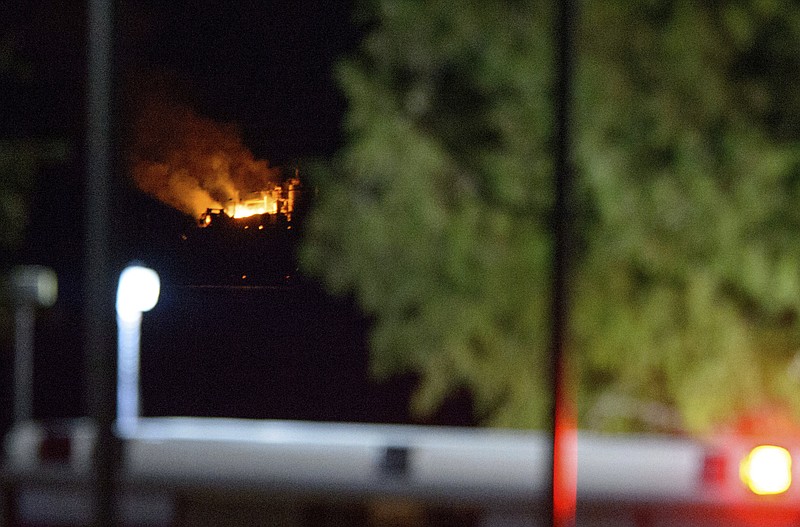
(243, 211)
(265, 207)
(202, 168)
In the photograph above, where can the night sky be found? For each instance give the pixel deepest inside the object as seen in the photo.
(265, 67)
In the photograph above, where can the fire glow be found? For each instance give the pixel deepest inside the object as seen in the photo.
(275, 203)
(265, 204)
(197, 165)
(279, 200)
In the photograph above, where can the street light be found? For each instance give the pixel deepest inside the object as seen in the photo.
(31, 286)
(137, 292)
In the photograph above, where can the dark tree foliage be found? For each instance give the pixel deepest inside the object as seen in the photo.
(685, 286)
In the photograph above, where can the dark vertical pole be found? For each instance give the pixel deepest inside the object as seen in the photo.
(23, 360)
(99, 286)
(564, 453)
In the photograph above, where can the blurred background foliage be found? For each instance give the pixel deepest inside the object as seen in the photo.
(22, 155)
(685, 271)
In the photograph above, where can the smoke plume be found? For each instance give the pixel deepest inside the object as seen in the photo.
(189, 161)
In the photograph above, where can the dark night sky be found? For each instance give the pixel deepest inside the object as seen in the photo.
(263, 66)
(267, 68)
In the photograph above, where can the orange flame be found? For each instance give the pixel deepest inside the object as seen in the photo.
(193, 163)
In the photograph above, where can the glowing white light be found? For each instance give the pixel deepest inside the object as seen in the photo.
(767, 469)
(138, 291)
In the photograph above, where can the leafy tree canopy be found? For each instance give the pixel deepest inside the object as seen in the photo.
(21, 156)
(685, 279)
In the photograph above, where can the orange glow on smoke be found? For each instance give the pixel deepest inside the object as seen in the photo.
(193, 163)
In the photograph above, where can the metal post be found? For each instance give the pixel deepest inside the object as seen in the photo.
(99, 285)
(32, 286)
(128, 397)
(564, 439)
(23, 361)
